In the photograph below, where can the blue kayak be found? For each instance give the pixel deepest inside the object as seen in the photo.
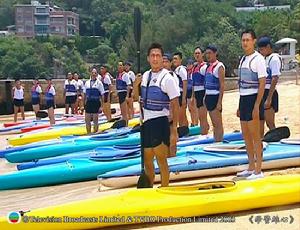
(77, 145)
(198, 159)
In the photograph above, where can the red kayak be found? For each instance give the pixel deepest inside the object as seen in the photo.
(36, 127)
(10, 124)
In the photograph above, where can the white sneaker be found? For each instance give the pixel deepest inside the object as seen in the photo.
(245, 173)
(255, 176)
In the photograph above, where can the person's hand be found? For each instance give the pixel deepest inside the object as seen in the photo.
(183, 103)
(173, 142)
(268, 104)
(219, 106)
(238, 113)
(255, 112)
(100, 110)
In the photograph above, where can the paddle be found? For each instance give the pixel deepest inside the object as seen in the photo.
(114, 119)
(41, 114)
(118, 124)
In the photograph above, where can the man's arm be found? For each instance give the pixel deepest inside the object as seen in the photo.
(261, 89)
(222, 83)
(184, 88)
(272, 90)
(175, 112)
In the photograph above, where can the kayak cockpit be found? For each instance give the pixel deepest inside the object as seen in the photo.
(203, 188)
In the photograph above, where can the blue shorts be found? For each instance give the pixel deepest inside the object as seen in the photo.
(246, 105)
(211, 102)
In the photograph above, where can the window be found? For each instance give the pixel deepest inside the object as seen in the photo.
(40, 10)
(41, 21)
(70, 21)
(57, 19)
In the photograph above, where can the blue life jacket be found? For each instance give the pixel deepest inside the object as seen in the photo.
(35, 96)
(49, 96)
(247, 78)
(198, 78)
(153, 98)
(70, 88)
(120, 84)
(211, 81)
(92, 94)
(190, 82)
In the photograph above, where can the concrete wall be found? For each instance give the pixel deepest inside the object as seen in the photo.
(6, 86)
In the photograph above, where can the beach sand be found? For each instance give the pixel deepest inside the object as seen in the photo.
(289, 114)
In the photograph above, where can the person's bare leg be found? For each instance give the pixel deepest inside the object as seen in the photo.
(95, 120)
(51, 116)
(73, 108)
(123, 107)
(202, 112)
(88, 123)
(106, 110)
(36, 108)
(173, 147)
(76, 106)
(149, 166)
(67, 109)
(216, 119)
(182, 116)
(193, 112)
(257, 143)
(16, 110)
(262, 128)
(270, 118)
(161, 153)
(249, 145)
(22, 112)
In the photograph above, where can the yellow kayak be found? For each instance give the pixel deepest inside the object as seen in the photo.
(56, 133)
(170, 204)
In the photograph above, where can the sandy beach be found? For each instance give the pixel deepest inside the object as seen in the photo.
(289, 114)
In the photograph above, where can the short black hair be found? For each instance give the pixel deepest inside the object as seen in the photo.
(178, 54)
(201, 49)
(17, 79)
(155, 45)
(75, 73)
(249, 31)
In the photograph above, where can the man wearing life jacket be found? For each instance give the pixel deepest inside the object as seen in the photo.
(18, 99)
(181, 73)
(79, 107)
(167, 64)
(158, 91)
(94, 92)
(131, 76)
(106, 81)
(252, 78)
(70, 93)
(123, 85)
(50, 100)
(198, 75)
(36, 91)
(190, 99)
(270, 99)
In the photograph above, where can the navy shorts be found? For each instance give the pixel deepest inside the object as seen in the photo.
(189, 94)
(106, 97)
(156, 132)
(274, 102)
(35, 101)
(211, 102)
(246, 105)
(122, 96)
(92, 106)
(199, 96)
(50, 104)
(70, 100)
(18, 102)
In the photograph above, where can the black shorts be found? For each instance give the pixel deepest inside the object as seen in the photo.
(106, 97)
(50, 104)
(211, 102)
(122, 96)
(189, 94)
(92, 106)
(70, 100)
(130, 93)
(156, 131)
(274, 102)
(18, 102)
(180, 99)
(35, 101)
(246, 105)
(199, 96)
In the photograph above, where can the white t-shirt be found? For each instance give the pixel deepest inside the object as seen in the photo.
(216, 74)
(107, 79)
(168, 86)
(131, 75)
(258, 65)
(72, 82)
(182, 73)
(52, 90)
(273, 61)
(202, 72)
(97, 84)
(126, 78)
(80, 84)
(18, 93)
(38, 89)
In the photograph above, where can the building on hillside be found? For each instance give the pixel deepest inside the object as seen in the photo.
(42, 20)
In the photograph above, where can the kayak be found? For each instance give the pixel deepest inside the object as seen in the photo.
(185, 203)
(56, 133)
(198, 162)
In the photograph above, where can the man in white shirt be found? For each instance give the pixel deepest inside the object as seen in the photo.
(181, 73)
(252, 79)
(94, 92)
(131, 76)
(270, 99)
(107, 84)
(159, 90)
(70, 93)
(79, 106)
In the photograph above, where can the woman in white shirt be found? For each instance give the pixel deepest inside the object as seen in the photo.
(36, 91)
(18, 99)
(50, 100)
